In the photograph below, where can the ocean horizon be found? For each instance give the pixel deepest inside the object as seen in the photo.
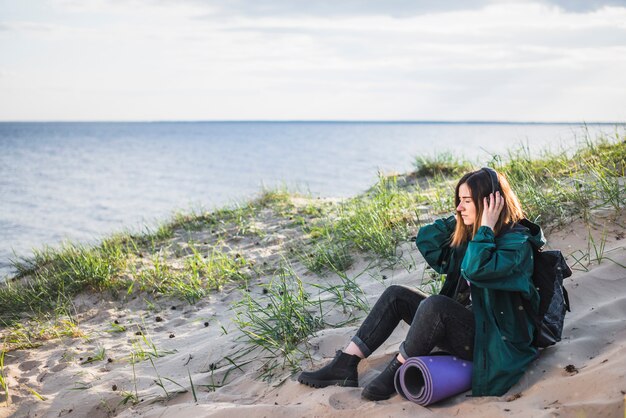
(374, 121)
(81, 181)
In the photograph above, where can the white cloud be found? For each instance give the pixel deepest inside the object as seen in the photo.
(392, 8)
(150, 59)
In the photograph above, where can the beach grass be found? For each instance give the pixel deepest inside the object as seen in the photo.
(4, 384)
(374, 223)
(326, 255)
(557, 187)
(48, 281)
(444, 164)
(194, 254)
(34, 333)
(280, 320)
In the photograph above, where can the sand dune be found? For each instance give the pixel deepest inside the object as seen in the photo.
(583, 376)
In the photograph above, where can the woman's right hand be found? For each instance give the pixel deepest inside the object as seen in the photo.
(492, 207)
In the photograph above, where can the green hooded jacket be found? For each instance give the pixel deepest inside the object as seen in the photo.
(499, 270)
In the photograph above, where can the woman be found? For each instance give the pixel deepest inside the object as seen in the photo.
(478, 315)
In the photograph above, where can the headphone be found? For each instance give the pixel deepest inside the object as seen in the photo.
(495, 183)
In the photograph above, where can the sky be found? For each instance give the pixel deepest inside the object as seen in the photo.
(447, 60)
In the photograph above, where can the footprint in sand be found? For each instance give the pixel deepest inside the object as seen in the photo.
(42, 376)
(117, 347)
(177, 322)
(58, 367)
(15, 399)
(29, 365)
(345, 400)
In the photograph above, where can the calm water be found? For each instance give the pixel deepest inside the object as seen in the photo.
(82, 181)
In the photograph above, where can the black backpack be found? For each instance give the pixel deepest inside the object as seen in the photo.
(549, 271)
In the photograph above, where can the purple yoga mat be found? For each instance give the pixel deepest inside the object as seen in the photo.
(429, 379)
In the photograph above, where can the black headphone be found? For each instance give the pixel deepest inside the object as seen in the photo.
(495, 183)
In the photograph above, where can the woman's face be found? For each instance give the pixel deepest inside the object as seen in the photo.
(466, 207)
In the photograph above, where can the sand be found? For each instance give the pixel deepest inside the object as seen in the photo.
(582, 376)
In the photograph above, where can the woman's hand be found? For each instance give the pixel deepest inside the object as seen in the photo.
(492, 206)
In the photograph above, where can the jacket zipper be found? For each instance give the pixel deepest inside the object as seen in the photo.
(484, 323)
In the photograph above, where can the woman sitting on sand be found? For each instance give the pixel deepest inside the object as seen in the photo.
(478, 315)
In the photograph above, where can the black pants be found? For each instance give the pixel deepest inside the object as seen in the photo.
(435, 321)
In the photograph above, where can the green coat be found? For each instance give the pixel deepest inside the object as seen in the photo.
(500, 272)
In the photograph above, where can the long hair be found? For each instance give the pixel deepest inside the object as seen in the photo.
(480, 185)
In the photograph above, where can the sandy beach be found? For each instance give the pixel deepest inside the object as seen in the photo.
(581, 376)
(201, 199)
(92, 374)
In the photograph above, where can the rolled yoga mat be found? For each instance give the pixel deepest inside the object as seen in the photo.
(429, 379)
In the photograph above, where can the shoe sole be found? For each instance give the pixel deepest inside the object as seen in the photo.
(371, 396)
(323, 383)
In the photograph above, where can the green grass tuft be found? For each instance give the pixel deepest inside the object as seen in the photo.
(280, 321)
(443, 164)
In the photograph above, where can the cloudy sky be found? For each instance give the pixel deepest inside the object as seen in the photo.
(313, 60)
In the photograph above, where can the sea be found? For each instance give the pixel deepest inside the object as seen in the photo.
(82, 181)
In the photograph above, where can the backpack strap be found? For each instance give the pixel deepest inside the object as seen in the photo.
(532, 227)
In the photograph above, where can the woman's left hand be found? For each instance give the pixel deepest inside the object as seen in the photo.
(492, 206)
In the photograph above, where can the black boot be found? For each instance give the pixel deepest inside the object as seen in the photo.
(382, 387)
(341, 371)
